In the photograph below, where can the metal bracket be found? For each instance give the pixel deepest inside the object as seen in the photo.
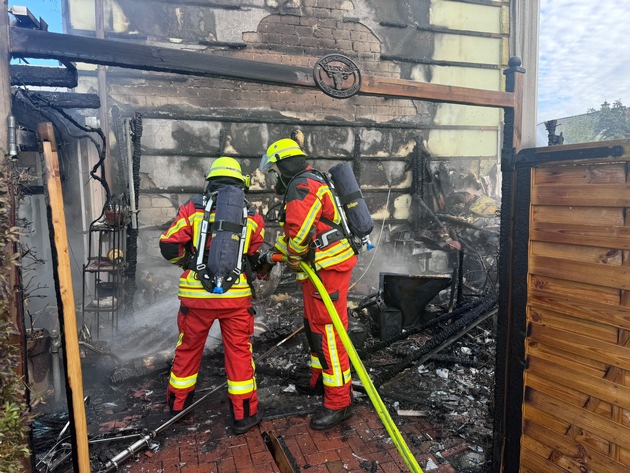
(25, 19)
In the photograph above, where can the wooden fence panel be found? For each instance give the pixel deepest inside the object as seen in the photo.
(576, 401)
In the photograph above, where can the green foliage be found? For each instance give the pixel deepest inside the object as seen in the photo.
(611, 122)
(13, 447)
(14, 417)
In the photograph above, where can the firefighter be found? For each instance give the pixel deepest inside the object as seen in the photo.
(311, 223)
(199, 307)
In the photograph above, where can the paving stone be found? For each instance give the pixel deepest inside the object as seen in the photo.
(322, 457)
(226, 465)
(349, 447)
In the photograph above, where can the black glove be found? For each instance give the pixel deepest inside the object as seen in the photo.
(185, 260)
(189, 254)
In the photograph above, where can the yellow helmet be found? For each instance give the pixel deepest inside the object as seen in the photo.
(226, 167)
(281, 149)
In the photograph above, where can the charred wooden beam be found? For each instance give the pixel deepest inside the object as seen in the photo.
(42, 44)
(43, 76)
(64, 99)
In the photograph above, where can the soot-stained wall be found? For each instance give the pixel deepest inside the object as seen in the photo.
(188, 121)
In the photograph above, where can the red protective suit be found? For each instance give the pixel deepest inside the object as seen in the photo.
(200, 308)
(309, 212)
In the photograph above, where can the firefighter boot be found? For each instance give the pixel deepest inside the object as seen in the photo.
(326, 418)
(243, 425)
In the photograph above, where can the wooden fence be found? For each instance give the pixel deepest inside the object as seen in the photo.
(563, 390)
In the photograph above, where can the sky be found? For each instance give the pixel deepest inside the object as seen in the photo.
(584, 56)
(584, 53)
(49, 10)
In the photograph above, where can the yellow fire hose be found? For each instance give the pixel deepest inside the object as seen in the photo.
(377, 402)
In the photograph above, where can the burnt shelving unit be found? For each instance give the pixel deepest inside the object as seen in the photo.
(103, 275)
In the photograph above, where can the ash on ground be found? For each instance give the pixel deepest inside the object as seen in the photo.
(451, 388)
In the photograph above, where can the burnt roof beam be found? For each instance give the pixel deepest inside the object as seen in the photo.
(41, 44)
(43, 76)
(25, 19)
(65, 99)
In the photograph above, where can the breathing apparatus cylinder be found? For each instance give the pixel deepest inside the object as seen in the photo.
(359, 219)
(229, 229)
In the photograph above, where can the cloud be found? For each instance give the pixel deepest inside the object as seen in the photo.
(584, 54)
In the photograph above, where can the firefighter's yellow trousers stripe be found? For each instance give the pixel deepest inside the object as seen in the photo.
(332, 380)
(241, 387)
(336, 378)
(183, 383)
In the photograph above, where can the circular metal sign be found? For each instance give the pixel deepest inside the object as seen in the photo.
(337, 76)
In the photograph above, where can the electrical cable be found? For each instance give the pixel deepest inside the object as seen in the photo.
(35, 100)
(377, 243)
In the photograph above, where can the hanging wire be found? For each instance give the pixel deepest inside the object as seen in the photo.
(389, 193)
(38, 102)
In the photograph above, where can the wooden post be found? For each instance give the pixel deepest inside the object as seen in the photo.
(513, 117)
(5, 77)
(65, 299)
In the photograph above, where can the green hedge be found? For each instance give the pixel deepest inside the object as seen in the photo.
(14, 415)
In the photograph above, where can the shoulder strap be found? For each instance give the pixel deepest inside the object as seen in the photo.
(203, 233)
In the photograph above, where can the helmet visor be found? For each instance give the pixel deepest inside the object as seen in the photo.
(267, 161)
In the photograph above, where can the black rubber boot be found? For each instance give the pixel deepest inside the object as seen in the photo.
(171, 402)
(326, 418)
(242, 426)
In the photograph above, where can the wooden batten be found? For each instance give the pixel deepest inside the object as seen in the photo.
(585, 234)
(65, 298)
(601, 195)
(545, 287)
(578, 215)
(589, 273)
(609, 316)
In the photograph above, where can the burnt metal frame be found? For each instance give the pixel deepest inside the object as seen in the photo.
(513, 269)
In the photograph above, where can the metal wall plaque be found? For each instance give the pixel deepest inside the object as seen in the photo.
(337, 76)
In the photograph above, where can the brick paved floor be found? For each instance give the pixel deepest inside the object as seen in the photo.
(360, 444)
